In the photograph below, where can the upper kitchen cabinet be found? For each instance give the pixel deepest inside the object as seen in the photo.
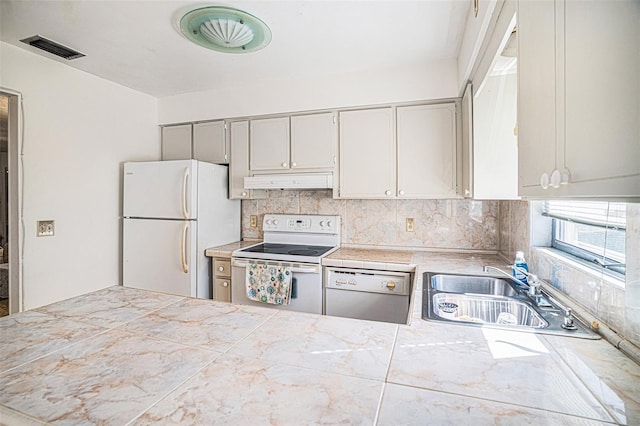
(300, 142)
(420, 163)
(427, 151)
(269, 144)
(176, 142)
(367, 154)
(209, 142)
(313, 141)
(239, 165)
(579, 98)
(199, 141)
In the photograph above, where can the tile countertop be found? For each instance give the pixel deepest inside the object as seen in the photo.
(126, 356)
(226, 250)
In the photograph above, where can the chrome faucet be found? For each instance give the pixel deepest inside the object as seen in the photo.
(533, 285)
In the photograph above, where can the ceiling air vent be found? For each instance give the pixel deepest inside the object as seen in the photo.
(52, 47)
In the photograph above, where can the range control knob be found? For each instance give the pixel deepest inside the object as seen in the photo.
(329, 223)
(268, 221)
(275, 221)
(322, 223)
(391, 285)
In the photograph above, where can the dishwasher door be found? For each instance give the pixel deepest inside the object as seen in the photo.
(369, 295)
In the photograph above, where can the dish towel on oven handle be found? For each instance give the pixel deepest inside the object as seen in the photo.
(268, 283)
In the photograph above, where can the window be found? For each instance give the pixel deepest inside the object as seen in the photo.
(591, 230)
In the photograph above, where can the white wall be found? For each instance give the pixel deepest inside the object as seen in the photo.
(78, 130)
(426, 81)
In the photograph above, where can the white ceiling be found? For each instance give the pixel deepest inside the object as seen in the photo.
(137, 44)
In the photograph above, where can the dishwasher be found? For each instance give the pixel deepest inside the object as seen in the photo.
(366, 294)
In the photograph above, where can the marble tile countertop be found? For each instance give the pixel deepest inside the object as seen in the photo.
(122, 356)
(226, 250)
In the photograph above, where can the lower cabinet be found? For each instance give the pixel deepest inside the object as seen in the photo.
(221, 279)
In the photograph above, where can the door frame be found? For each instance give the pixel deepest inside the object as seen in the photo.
(15, 145)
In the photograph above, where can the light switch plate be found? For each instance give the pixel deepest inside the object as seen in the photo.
(45, 228)
(253, 220)
(410, 225)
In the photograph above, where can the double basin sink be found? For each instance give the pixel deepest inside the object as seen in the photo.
(489, 301)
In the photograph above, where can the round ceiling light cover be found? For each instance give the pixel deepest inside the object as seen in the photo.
(225, 29)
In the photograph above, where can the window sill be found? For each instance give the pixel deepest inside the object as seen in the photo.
(583, 266)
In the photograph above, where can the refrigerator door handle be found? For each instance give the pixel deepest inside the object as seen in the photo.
(185, 179)
(183, 248)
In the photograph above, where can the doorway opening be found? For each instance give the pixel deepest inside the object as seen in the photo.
(10, 297)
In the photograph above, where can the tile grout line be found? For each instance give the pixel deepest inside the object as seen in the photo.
(495, 401)
(577, 377)
(252, 331)
(386, 375)
(175, 388)
(69, 345)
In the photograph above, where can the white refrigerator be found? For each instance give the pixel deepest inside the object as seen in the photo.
(173, 211)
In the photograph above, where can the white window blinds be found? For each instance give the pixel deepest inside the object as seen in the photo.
(597, 213)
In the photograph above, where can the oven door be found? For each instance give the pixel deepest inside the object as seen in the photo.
(306, 285)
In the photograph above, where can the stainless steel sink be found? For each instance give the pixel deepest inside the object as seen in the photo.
(488, 301)
(486, 310)
(472, 284)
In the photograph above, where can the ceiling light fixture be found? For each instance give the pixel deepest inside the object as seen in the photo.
(225, 29)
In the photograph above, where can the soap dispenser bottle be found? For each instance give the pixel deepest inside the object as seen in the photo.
(522, 264)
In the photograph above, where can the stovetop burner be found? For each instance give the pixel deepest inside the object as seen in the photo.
(295, 238)
(288, 249)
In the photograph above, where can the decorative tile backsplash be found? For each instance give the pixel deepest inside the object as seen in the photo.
(616, 305)
(440, 224)
(514, 228)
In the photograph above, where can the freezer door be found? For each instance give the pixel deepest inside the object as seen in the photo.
(159, 255)
(161, 189)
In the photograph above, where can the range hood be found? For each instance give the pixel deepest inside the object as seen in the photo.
(290, 181)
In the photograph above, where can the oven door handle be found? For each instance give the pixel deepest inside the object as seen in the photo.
(294, 269)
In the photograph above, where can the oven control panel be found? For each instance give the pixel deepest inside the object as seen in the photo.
(301, 223)
(387, 282)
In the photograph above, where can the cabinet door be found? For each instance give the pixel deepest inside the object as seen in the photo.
(209, 142)
(427, 151)
(313, 141)
(239, 165)
(467, 143)
(176, 142)
(269, 144)
(536, 93)
(222, 289)
(602, 97)
(367, 154)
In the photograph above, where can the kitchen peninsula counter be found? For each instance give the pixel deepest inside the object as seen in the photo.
(127, 356)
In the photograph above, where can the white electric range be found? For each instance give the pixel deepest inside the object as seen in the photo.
(298, 242)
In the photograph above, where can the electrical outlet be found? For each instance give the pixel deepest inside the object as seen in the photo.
(45, 228)
(410, 225)
(253, 220)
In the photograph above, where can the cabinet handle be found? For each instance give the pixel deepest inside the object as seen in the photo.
(244, 194)
(544, 181)
(293, 164)
(284, 164)
(221, 268)
(387, 193)
(225, 284)
(401, 192)
(556, 178)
